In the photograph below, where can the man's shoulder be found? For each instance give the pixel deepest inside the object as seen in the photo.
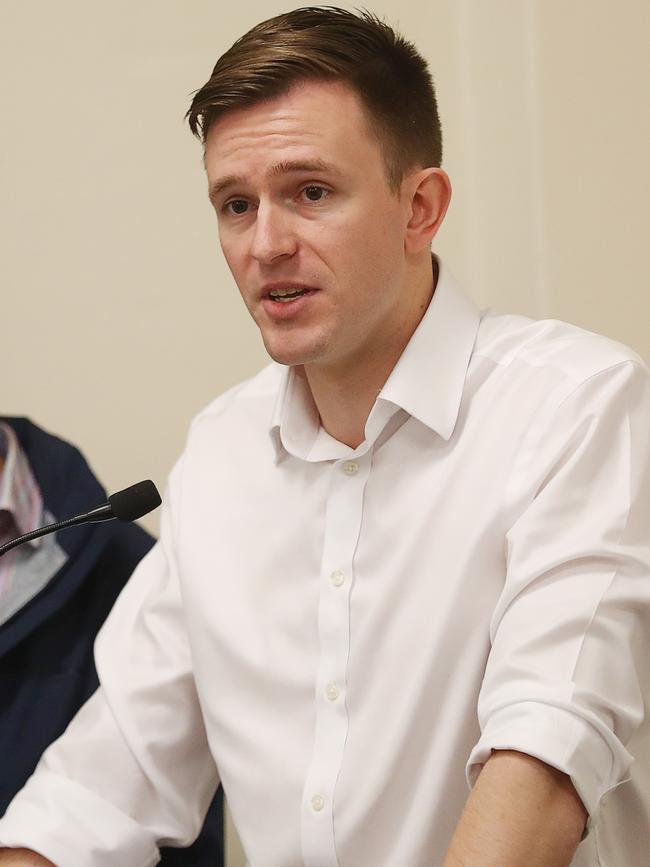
(249, 403)
(562, 350)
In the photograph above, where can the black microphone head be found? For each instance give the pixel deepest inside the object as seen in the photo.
(136, 501)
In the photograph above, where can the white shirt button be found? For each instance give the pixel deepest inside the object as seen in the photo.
(337, 578)
(332, 691)
(350, 468)
(317, 802)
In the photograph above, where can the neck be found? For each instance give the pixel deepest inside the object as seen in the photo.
(345, 393)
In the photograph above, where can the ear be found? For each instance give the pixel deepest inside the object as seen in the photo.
(428, 192)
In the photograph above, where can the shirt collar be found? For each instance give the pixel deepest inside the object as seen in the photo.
(19, 493)
(427, 381)
(429, 376)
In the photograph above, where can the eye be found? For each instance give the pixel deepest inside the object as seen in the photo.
(314, 193)
(236, 206)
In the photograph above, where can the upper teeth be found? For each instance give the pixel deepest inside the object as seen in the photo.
(282, 292)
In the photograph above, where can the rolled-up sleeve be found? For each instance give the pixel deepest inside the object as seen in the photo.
(133, 770)
(569, 661)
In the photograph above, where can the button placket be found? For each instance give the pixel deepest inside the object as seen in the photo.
(342, 528)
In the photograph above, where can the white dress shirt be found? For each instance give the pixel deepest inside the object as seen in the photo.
(342, 635)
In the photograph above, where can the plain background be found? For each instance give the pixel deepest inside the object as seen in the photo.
(120, 320)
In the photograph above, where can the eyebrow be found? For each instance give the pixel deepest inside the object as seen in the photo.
(282, 168)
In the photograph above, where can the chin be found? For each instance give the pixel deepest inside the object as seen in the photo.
(291, 354)
(290, 359)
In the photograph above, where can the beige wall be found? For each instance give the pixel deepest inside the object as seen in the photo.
(121, 320)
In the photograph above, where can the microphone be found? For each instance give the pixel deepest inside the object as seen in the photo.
(126, 505)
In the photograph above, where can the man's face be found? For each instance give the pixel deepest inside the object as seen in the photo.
(303, 204)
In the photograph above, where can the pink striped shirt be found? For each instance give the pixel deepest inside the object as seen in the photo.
(21, 504)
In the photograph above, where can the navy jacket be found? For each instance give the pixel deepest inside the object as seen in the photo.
(46, 649)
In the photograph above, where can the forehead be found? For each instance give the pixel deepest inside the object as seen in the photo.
(314, 121)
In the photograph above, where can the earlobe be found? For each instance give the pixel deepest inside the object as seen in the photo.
(429, 199)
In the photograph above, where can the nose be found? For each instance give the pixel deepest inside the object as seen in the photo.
(273, 235)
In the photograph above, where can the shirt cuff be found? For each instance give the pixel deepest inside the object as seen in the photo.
(70, 825)
(591, 755)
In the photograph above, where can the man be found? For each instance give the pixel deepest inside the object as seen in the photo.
(416, 513)
(55, 593)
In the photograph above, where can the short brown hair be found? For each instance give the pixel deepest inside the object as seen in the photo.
(324, 43)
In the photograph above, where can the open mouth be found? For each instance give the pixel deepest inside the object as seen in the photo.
(283, 296)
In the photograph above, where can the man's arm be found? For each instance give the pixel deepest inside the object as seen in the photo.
(134, 766)
(568, 655)
(23, 858)
(521, 812)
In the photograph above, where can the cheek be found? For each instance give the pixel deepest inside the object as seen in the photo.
(374, 248)
(236, 265)
(232, 252)
(374, 234)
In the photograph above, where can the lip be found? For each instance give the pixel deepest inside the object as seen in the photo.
(283, 310)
